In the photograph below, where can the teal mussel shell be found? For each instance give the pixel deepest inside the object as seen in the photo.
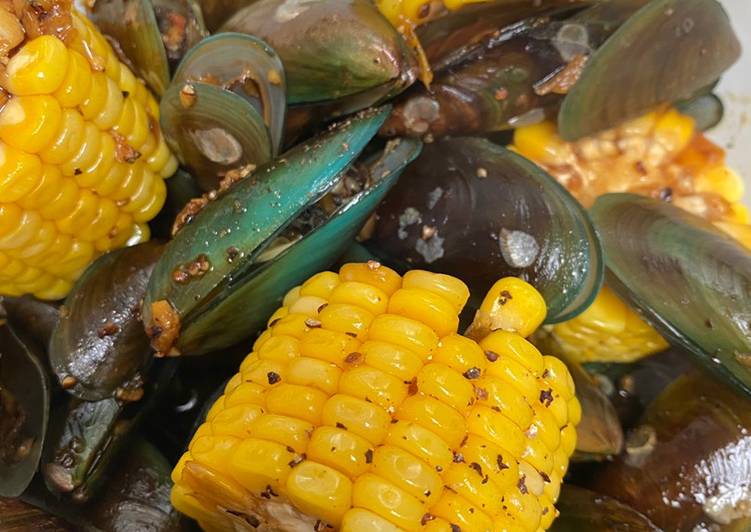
(690, 280)
(237, 285)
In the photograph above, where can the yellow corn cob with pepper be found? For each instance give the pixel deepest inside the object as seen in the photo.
(361, 409)
(415, 12)
(661, 155)
(82, 160)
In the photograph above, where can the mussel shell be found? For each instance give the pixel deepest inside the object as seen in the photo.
(19, 516)
(99, 342)
(695, 34)
(690, 280)
(24, 410)
(216, 12)
(86, 438)
(246, 65)
(216, 132)
(228, 234)
(32, 320)
(181, 26)
(245, 309)
(583, 510)
(330, 48)
(134, 27)
(692, 462)
(707, 110)
(475, 210)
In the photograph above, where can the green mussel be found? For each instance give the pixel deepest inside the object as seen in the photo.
(225, 272)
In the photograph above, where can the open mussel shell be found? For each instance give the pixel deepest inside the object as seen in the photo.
(98, 345)
(696, 34)
(213, 131)
(24, 410)
(246, 65)
(690, 280)
(707, 110)
(330, 48)
(688, 464)
(582, 510)
(133, 25)
(217, 253)
(247, 308)
(473, 209)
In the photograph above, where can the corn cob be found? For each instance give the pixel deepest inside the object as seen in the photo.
(82, 160)
(360, 409)
(416, 12)
(661, 155)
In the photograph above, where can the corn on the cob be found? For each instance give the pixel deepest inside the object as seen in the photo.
(361, 409)
(416, 12)
(82, 160)
(661, 155)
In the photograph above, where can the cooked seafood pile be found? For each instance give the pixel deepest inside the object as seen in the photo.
(371, 266)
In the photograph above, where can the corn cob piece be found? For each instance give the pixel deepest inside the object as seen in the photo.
(661, 155)
(416, 12)
(82, 159)
(361, 409)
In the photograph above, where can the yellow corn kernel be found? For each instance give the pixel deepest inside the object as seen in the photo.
(403, 332)
(513, 305)
(19, 175)
(720, 180)
(368, 297)
(446, 385)
(321, 491)
(435, 416)
(421, 442)
(347, 319)
(357, 520)
(38, 68)
(423, 305)
(256, 464)
(392, 359)
(374, 274)
(361, 417)
(459, 511)
(320, 285)
(343, 450)
(29, 123)
(76, 85)
(373, 493)
(449, 288)
(540, 142)
(314, 372)
(408, 473)
(399, 431)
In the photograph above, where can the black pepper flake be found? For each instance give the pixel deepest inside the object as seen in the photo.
(501, 465)
(369, 456)
(496, 408)
(458, 458)
(471, 510)
(546, 397)
(472, 373)
(477, 467)
(491, 356)
(427, 493)
(426, 519)
(464, 440)
(522, 485)
(545, 510)
(353, 358)
(545, 476)
(708, 323)
(455, 528)
(504, 297)
(394, 421)
(323, 306)
(77, 171)
(297, 460)
(352, 334)
(341, 426)
(290, 449)
(268, 493)
(485, 479)
(273, 377)
(438, 468)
